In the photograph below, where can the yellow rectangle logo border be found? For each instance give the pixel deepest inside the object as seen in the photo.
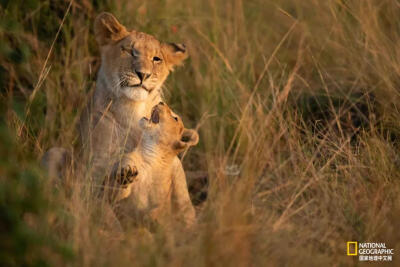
(348, 248)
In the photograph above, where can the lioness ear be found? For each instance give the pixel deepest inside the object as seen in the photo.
(107, 29)
(174, 54)
(189, 138)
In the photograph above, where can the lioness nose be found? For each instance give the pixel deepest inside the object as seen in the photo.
(142, 75)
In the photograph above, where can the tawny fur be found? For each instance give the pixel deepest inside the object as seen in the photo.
(134, 66)
(156, 194)
(109, 124)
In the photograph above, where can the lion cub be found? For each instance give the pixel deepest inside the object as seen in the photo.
(153, 188)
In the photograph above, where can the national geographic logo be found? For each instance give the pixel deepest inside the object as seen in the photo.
(352, 248)
(369, 251)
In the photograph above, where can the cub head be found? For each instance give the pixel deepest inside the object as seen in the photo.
(134, 64)
(166, 128)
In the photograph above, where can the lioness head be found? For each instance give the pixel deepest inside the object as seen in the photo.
(166, 128)
(134, 64)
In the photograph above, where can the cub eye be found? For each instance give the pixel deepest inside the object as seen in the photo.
(176, 118)
(157, 59)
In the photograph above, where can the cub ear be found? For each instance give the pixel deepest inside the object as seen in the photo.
(107, 29)
(174, 54)
(189, 138)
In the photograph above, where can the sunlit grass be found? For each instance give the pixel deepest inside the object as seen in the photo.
(297, 108)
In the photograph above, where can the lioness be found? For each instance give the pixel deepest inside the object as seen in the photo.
(134, 66)
(151, 191)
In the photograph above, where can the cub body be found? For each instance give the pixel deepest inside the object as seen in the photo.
(154, 193)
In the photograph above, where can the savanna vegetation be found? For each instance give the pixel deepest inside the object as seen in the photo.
(297, 103)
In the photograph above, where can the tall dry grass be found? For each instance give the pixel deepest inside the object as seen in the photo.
(297, 108)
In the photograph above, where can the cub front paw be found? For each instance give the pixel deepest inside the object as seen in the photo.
(126, 175)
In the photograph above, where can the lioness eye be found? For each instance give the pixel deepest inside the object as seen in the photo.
(176, 118)
(156, 59)
(134, 53)
(124, 49)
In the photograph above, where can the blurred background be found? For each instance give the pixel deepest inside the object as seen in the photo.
(297, 106)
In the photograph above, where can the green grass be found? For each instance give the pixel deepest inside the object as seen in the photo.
(302, 96)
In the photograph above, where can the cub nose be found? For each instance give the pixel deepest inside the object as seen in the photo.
(142, 75)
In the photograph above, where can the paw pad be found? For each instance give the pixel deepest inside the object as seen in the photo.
(127, 175)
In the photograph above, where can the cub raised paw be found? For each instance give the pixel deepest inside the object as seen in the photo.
(119, 184)
(126, 175)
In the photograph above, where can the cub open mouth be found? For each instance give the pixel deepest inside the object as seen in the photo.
(155, 116)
